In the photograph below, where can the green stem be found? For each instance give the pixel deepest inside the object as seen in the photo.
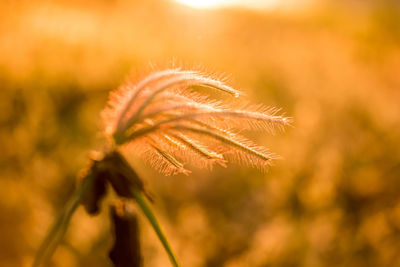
(57, 231)
(143, 204)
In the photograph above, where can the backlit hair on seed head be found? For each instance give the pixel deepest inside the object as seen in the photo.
(163, 120)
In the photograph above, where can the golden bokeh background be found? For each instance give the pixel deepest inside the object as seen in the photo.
(334, 66)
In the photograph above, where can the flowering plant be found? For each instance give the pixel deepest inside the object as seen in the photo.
(168, 123)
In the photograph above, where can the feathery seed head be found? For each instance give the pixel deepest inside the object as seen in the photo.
(168, 124)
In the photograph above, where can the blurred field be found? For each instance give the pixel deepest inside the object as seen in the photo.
(334, 200)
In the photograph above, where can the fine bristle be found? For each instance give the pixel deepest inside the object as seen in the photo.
(169, 124)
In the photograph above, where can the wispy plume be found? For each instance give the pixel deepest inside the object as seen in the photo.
(165, 121)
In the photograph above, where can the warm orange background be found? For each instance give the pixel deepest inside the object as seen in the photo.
(334, 200)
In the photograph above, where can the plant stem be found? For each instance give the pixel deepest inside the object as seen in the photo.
(145, 207)
(57, 231)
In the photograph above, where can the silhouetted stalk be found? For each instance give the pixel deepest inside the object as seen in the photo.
(145, 207)
(59, 227)
(124, 180)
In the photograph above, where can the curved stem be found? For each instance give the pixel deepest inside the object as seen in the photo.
(57, 231)
(145, 207)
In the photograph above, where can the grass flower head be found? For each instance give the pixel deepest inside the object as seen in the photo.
(164, 120)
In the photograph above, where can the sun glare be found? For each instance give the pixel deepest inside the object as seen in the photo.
(252, 4)
(204, 3)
